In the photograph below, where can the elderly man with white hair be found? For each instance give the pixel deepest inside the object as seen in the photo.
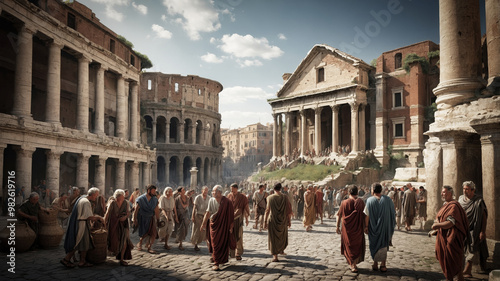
(28, 212)
(200, 207)
(116, 218)
(78, 232)
(221, 213)
(168, 213)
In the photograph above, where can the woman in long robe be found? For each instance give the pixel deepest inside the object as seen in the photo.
(181, 204)
(116, 219)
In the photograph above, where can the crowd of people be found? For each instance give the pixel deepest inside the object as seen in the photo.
(219, 220)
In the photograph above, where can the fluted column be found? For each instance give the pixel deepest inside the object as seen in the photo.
(460, 49)
(275, 135)
(52, 172)
(120, 173)
(181, 132)
(134, 112)
(99, 101)
(303, 132)
(288, 133)
(492, 9)
(154, 131)
(362, 128)
(100, 174)
(317, 129)
(23, 75)
(23, 167)
(82, 111)
(53, 104)
(354, 127)
(134, 176)
(280, 134)
(121, 108)
(335, 128)
(82, 171)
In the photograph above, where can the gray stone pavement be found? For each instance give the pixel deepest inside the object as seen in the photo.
(310, 256)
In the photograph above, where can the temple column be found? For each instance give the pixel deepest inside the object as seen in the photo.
(53, 104)
(458, 77)
(23, 75)
(381, 125)
(154, 132)
(354, 127)
(23, 167)
(433, 159)
(335, 128)
(82, 115)
(362, 127)
(275, 135)
(492, 10)
(146, 174)
(82, 171)
(100, 174)
(454, 145)
(99, 101)
(134, 176)
(120, 173)
(288, 133)
(134, 112)
(280, 135)
(121, 108)
(317, 129)
(303, 132)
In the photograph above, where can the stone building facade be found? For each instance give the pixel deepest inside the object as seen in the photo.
(181, 120)
(464, 140)
(70, 105)
(324, 104)
(245, 148)
(403, 97)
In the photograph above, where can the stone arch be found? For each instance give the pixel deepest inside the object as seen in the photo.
(174, 130)
(161, 125)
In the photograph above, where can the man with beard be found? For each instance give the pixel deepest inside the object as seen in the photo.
(78, 234)
(220, 211)
(309, 208)
(452, 229)
(200, 207)
(146, 215)
(277, 219)
(352, 241)
(476, 251)
(259, 197)
(241, 209)
(409, 207)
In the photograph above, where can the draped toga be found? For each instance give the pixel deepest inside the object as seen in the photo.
(280, 209)
(352, 239)
(221, 240)
(309, 208)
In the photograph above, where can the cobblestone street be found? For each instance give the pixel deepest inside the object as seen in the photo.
(310, 256)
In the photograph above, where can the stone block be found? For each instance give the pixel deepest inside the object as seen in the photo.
(406, 174)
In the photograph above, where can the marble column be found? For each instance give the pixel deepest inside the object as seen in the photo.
(120, 173)
(121, 108)
(154, 132)
(181, 132)
(23, 75)
(362, 127)
(275, 135)
(23, 167)
(82, 171)
(82, 111)
(354, 126)
(335, 128)
(146, 174)
(454, 145)
(381, 125)
(134, 112)
(317, 130)
(167, 132)
(52, 172)
(134, 176)
(288, 133)
(99, 101)
(53, 104)
(100, 174)
(303, 132)
(492, 9)
(433, 159)
(280, 136)
(460, 37)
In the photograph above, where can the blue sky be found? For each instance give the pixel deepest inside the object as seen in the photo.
(247, 45)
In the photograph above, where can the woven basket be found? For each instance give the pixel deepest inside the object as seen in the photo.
(99, 253)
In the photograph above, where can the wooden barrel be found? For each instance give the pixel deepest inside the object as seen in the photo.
(25, 237)
(99, 253)
(50, 233)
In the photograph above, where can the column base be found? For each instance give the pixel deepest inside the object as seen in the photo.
(456, 91)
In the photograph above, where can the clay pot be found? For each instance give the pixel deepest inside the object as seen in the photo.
(99, 253)
(50, 233)
(25, 237)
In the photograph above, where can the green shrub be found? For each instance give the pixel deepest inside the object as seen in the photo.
(413, 58)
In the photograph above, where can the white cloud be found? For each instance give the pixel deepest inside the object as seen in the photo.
(196, 16)
(141, 8)
(240, 94)
(282, 36)
(211, 58)
(163, 17)
(249, 47)
(161, 32)
(213, 40)
(110, 10)
(247, 63)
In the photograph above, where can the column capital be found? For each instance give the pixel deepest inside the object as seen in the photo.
(26, 151)
(120, 160)
(318, 110)
(354, 106)
(335, 107)
(82, 58)
(27, 28)
(54, 43)
(54, 153)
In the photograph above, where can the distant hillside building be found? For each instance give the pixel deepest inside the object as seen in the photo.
(246, 147)
(181, 120)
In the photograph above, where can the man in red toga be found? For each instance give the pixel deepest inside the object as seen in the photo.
(241, 210)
